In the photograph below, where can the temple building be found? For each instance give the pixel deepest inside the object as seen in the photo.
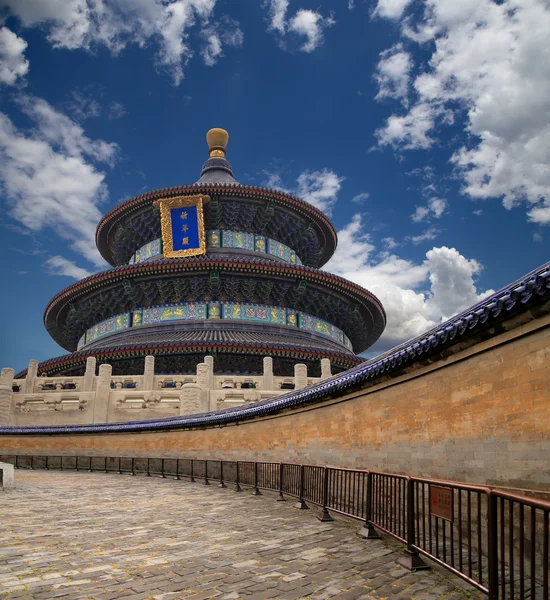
(217, 269)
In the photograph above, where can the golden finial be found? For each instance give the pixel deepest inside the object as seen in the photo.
(217, 141)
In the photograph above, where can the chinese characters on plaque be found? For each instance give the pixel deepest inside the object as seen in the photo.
(182, 224)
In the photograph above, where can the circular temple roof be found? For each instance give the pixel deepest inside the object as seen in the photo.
(276, 205)
(351, 308)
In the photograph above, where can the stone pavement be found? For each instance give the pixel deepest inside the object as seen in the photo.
(96, 535)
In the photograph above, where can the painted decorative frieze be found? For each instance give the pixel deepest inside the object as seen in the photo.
(111, 325)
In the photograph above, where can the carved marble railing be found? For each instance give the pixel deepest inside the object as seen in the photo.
(103, 398)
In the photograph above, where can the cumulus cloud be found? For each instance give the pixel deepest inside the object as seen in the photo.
(50, 175)
(277, 15)
(310, 24)
(393, 74)
(305, 23)
(435, 208)
(13, 64)
(391, 9)
(416, 296)
(319, 188)
(57, 265)
(489, 73)
(114, 24)
(216, 37)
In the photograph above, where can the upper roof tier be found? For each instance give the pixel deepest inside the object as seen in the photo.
(235, 207)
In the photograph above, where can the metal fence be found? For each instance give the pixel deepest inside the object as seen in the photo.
(496, 541)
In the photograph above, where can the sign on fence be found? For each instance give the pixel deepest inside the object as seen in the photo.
(441, 502)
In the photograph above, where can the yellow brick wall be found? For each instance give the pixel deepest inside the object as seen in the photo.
(481, 415)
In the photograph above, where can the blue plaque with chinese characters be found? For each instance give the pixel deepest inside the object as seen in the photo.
(182, 224)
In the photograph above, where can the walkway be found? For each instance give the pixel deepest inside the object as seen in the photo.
(96, 535)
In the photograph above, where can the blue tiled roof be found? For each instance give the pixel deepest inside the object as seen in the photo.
(527, 290)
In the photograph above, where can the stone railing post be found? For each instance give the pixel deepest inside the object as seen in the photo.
(268, 373)
(203, 381)
(191, 399)
(89, 375)
(102, 394)
(209, 361)
(325, 368)
(300, 376)
(30, 380)
(6, 385)
(149, 373)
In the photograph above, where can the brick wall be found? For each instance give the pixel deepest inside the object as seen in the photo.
(480, 415)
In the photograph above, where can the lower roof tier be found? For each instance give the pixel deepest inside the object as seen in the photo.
(147, 322)
(179, 352)
(211, 278)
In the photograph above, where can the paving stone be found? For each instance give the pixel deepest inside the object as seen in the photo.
(98, 536)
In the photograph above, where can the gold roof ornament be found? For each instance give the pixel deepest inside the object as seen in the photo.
(217, 140)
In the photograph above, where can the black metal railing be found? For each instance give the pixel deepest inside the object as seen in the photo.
(495, 540)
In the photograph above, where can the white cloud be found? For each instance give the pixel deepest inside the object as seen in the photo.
(13, 64)
(393, 74)
(420, 214)
(488, 72)
(391, 9)
(540, 214)
(428, 235)
(49, 176)
(213, 48)
(57, 265)
(411, 131)
(435, 208)
(360, 198)
(319, 188)
(277, 14)
(390, 243)
(215, 37)
(114, 24)
(537, 237)
(416, 296)
(310, 24)
(305, 23)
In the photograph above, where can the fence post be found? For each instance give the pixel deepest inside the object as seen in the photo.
(133, 466)
(411, 558)
(492, 540)
(256, 490)
(237, 484)
(105, 465)
(325, 515)
(178, 469)
(120, 465)
(32, 462)
(281, 498)
(368, 531)
(47, 463)
(206, 482)
(222, 484)
(90, 465)
(192, 480)
(148, 469)
(162, 468)
(76, 463)
(301, 504)
(17, 461)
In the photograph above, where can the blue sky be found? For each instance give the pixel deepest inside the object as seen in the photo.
(422, 128)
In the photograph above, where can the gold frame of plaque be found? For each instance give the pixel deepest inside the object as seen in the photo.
(166, 205)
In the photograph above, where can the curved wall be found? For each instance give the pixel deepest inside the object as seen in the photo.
(480, 414)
